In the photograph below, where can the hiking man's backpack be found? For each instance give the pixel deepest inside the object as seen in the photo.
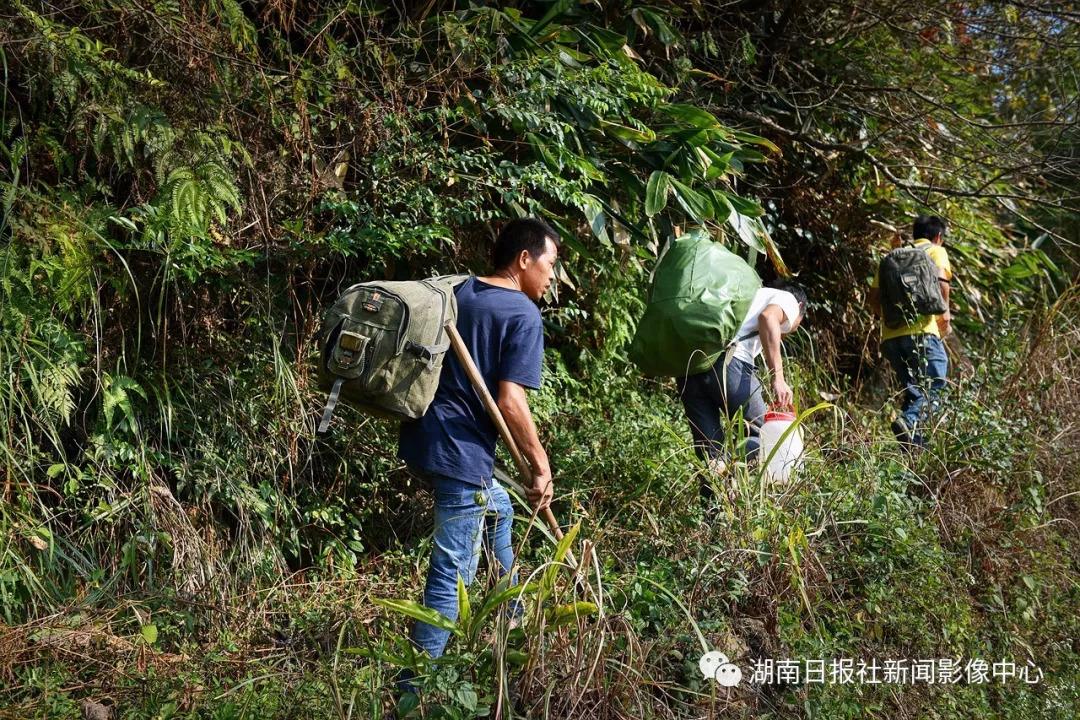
(909, 286)
(700, 293)
(383, 343)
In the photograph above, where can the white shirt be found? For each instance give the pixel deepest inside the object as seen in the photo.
(749, 349)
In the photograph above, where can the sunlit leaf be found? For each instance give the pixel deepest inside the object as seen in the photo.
(416, 611)
(656, 192)
(594, 213)
(697, 205)
(564, 614)
(627, 133)
(690, 115)
(756, 140)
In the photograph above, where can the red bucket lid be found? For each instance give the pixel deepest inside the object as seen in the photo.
(779, 416)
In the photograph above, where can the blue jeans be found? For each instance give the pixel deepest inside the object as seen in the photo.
(704, 399)
(467, 517)
(921, 365)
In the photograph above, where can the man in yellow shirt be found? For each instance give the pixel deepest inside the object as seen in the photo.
(916, 351)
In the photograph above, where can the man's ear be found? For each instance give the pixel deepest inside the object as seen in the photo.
(523, 259)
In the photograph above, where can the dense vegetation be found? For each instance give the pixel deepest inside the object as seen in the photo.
(186, 185)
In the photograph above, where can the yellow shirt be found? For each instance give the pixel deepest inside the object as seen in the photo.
(926, 324)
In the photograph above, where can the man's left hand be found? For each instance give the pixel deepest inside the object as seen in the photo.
(541, 492)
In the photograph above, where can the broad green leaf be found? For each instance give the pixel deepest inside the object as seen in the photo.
(749, 156)
(417, 611)
(749, 208)
(557, 9)
(721, 206)
(516, 658)
(650, 20)
(756, 140)
(696, 205)
(543, 151)
(124, 222)
(694, 137)
(466, 697)
(563, 614)
(568, 60)
(149, 633)
(748, 229)
(547, 582)
(690, 115)
(656, 192)
(627, 133)
(564, 545)
(594, 213)
(704, 160)
(497, 598)
(407, 703)
(721, 162)
(576, 56)
(464, 610)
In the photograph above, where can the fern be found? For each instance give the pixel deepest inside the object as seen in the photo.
(231, 16)
(117, 391)
(196, 195)
(54, 388)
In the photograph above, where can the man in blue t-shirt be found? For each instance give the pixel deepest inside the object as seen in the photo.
(453, 444)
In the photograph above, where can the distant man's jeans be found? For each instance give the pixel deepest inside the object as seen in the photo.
(467, 517)
(704, 398)
(921, 365)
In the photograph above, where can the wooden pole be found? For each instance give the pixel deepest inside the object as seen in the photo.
(492, 408)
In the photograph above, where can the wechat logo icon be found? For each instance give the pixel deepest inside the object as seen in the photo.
(715, 666)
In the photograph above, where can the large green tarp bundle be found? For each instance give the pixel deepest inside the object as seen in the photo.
(701, 292)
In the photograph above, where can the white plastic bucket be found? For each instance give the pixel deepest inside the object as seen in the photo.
(786, 454)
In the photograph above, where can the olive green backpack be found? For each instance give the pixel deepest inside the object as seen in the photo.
(383, 345)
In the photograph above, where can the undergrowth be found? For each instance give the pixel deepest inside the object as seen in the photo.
(162, 608)
(184, 186)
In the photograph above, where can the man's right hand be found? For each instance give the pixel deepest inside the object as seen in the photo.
(944, 324)
(782, 392)
(541, 492)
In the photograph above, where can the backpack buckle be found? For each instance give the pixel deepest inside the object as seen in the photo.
(350, 349)
(351, 341)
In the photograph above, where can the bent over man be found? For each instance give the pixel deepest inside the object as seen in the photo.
(732, 384)
(453, 444)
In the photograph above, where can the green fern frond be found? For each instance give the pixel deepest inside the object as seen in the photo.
(117, 391)
(196, 195)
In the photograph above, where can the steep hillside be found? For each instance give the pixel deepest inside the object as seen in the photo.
(186, 186)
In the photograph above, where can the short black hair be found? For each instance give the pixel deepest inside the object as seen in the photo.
(522, 234)
(928, 227)
(797, 290)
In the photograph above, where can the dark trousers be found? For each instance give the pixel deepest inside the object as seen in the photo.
(711, 399)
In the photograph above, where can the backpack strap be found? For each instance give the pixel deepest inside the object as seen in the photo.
(747, 336)
(331, 403)
(427, 353)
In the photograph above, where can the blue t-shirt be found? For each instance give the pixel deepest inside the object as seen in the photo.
(505, 336)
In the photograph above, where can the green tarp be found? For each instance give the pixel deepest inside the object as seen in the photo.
(701, 292)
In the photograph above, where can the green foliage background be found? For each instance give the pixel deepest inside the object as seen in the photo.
(186, 185)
